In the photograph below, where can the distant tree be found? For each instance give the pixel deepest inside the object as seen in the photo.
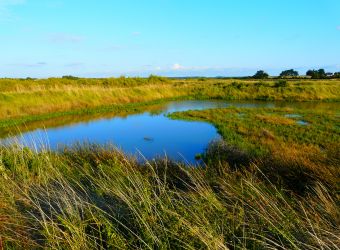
(317, 74)
(311, 73)
(289, 73)
(322, 73)
(336, 75)
(70, 77)
(261, 75)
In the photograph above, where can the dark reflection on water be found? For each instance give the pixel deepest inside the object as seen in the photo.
(149, 133)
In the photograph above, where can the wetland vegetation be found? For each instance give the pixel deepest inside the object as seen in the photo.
(31, 98)
(271, 181)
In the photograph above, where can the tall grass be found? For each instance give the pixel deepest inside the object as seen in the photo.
(19, 98)
(91, 197)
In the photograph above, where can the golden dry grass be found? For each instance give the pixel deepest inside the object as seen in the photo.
(20, 98)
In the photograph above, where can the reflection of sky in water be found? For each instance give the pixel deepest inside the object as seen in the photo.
(293, 116)
(302, 123)
(153, 134)
(200, 105)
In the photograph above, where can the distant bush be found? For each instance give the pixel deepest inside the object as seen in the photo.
(336, 75)
(261, 75)
(289, 73)
(70, 77)
(317, 74)
(30, 79)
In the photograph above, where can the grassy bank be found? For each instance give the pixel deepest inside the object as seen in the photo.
(95, 198)
(309, 138)
(257, 129)
(55, 119)
(33, 98)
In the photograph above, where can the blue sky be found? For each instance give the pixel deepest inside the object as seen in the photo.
(43, 38)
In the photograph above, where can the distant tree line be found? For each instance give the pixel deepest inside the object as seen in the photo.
(71, 77)
(291, 73)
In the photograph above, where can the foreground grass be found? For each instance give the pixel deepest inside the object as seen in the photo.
(33, 99)
(94, 198)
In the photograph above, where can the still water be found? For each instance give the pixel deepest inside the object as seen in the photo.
(148, 134)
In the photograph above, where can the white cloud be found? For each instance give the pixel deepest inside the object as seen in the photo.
(177, 66)
(338, 28)
(65, 38)
(136, 33)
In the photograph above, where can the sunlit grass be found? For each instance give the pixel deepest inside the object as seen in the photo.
(269, 138)
(262, 127)
(91, 197)
(19, 98)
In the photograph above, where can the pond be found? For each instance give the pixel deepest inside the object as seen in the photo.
(148, 134)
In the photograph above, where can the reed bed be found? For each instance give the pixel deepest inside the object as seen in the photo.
(91, 197)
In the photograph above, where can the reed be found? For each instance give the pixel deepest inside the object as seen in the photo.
(29, 98)
(92, 197)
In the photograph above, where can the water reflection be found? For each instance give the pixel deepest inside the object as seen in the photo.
(148, 131)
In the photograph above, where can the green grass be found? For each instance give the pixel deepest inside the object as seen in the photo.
(29, 98)
(258, 128)
(95, 198)
(272, 137)
(269, 184)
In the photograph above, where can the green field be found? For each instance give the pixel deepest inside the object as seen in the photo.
(271, 182)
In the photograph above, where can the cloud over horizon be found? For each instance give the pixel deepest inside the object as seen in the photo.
(177, 66)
